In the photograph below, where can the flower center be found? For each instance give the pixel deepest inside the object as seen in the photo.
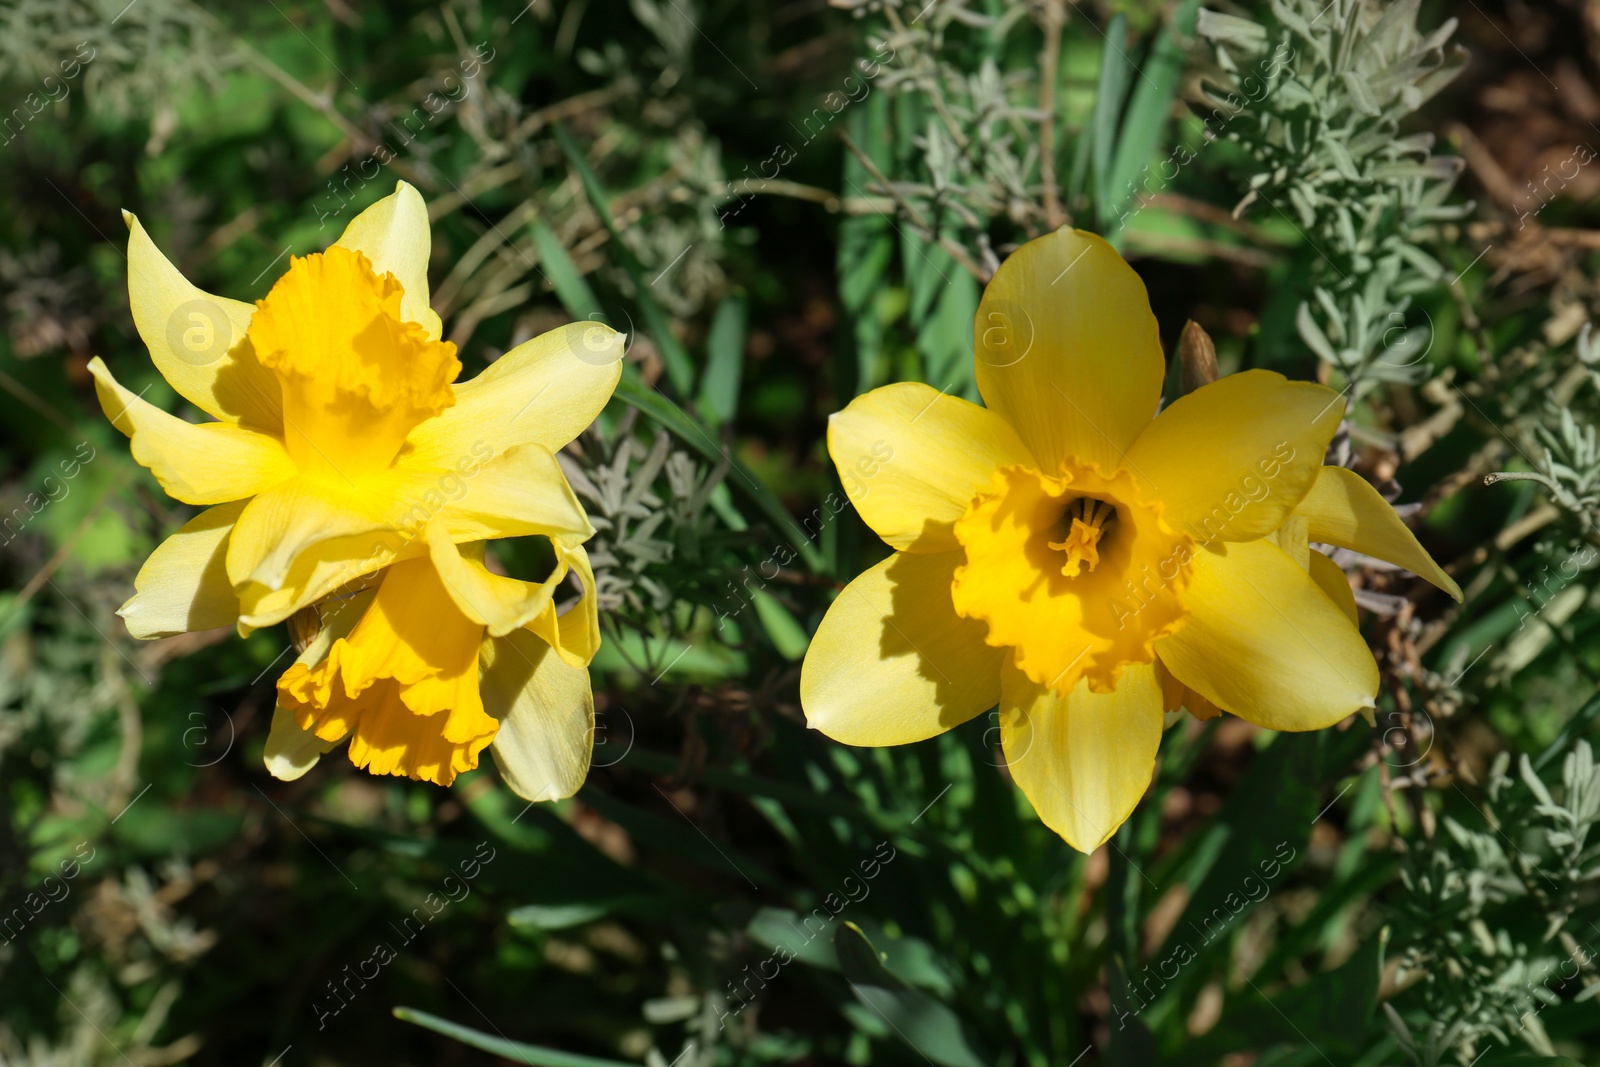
(1076, 572)
(1091, 519)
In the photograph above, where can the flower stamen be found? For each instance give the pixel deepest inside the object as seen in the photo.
(1091, 520)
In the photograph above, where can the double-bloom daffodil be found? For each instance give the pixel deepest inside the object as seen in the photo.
(1087, 564)
(351, 485)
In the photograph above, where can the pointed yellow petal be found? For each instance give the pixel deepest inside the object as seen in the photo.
(306, 538)
(493, 600)
(911, 459)
(1326, 573)
(515, 492)
(1265, 642)
(197, 340)
(184, 585)
(207, 464)
(575, 631)
(1084, 759)
(546, 714)
(1291, 537)
(292, 750)
(892, 662)
(1231, 460)
(321, 569)
(283, 522)
(1068, 350)
(1343, 509)
(545, 392)
(394, 235)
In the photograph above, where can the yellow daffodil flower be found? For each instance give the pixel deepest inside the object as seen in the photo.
(1087, 564)
(342, 447)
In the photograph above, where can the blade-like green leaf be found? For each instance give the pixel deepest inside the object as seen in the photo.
(719, 385)
(929, 1027)
(534, 1055)
(571, 288)
(1331, 1012)
(680, 369)
(1147, 115)
(1099, 142)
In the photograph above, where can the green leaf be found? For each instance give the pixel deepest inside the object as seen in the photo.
(928, 1026)
(1116, 72)
(1330, 1012)
(1148, 111)
(719, 385)
(1269, 820)
(783, 629)
(680, 370)
(945, 339)
(571, 288)
(534, 1055)
(633, 391)
(566, 916)
(809, 939)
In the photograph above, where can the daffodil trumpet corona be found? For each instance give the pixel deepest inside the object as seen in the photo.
(350, 484)
(1088, 564)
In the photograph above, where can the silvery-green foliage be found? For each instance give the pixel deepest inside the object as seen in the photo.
(977, 145)
(1331, 85)
(1495, 920)
(58, 685)
(133, 58)
(1566, 438)
(650, 508)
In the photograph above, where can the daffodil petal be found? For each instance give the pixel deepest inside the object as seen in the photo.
(184, 585)
(517, 492)
(1086, 758)
(1068, 350)
(321, 569)
(911, 459)
(892, 662)
(280, 524)
(1231, 460)
(211, 463)
(546, 713)
(575, 632)
(1342, 508)
(197, 340)
(544, 392)
(292, 750)
(1291, 537)
(1266, 643)
(393, 233)
(1326, 573)
(493, 600)
(300, 541)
